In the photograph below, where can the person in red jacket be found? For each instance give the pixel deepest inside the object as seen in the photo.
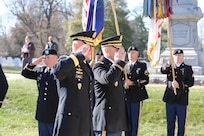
(28, 51)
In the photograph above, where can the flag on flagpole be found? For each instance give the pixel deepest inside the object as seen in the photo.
(154, 38)
(93, 17)
(98, 20)
(158, 11)
(87, 14)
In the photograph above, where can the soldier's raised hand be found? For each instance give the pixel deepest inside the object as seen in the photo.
(120, 54)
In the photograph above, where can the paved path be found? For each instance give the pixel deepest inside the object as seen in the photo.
(10, 76)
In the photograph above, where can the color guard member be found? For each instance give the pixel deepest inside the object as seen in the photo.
(176, 103)
(136, 93)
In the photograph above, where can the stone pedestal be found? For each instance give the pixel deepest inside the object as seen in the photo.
(183, 29)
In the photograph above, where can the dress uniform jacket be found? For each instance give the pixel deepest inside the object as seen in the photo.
(184, 76)
(139, 75)
(47, 101)
(74, 115)
(110, 111)
(3, 86)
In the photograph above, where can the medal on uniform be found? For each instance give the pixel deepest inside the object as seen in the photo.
(79, 86)
(116, 84)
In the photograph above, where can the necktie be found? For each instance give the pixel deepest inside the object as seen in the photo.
(131, 66)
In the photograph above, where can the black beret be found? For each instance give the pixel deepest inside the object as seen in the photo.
(178, 51)
(99, 52)
(49, 52)
(86, 36)
(115, 41)
(132, 48)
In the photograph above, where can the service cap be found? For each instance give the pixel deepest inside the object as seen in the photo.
(115, 41)
(99, 52)
(86, 36)
(49, 52)
(132, 48)
(178, 51)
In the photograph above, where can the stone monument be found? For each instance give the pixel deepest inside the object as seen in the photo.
(183, 29)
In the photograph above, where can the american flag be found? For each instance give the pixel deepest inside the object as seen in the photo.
(93, 17)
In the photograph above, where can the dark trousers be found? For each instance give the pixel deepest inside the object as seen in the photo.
(108, 133)
(26, 60)
(133, 116)
(45, 129)
(173, 111)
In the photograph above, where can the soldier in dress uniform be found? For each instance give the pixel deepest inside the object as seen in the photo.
(74, 115)
(3, 86)
(138, 77)
(110, 113)
(48, 98)
(176, 103)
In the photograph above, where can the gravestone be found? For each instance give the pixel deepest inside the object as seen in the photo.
(17, 62)
(9, 60)
(184, 35)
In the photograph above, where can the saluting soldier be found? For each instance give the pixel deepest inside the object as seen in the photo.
(176, 103)
(138, 77)
(3, 86)
(74, 115)
(47, 101)
(110, 113)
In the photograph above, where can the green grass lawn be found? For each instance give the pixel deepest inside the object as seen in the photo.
(18, 111)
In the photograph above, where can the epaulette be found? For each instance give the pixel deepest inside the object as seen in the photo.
(118, 66)
(75, 60)
(63, 57)
(100, 62)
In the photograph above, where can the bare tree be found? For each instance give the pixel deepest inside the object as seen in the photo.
(41, 18)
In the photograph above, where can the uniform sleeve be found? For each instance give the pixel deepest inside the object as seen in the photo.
(28, 72)
(189, 79)
(107, 76)
(65, 65)
(3, 86)
(165, 69)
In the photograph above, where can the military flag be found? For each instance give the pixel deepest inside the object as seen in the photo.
(157, 11)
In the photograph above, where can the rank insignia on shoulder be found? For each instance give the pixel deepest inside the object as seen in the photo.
(79, 69)
(79, 85)
(116, 84)
(146, 72)
(101, 62)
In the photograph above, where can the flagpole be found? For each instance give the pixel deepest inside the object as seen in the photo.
(117, 28)
(115, 17)
(171, 55)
